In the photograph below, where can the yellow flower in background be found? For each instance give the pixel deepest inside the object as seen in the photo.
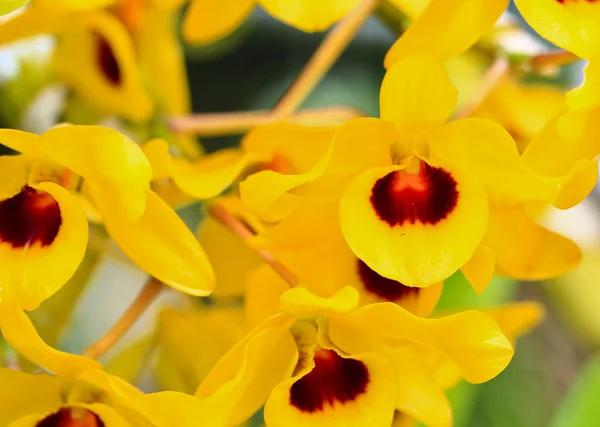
(414, 202)
(105, 47)
(323, 361)
(7, 6)
(209, 20)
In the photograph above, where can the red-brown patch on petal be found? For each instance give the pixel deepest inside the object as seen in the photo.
(28, 218)
(332, 380)
(426, 197)
(382, 287)
(107, 61)
(72, 417)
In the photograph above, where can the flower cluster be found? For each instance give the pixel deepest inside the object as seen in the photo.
(328, 237)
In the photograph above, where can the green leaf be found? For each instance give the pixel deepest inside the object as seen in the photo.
(580, 407)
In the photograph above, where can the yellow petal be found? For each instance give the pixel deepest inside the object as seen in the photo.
(572, 25)
(471, 339)
(323, 393)
(23, 142)
(447, 28)
(8, 6)
(518, 318)
(209, 20)
(525, 250)
(412, 8)
(160, 243)
(585, 97)
(417, 96)
(97, 58)
(76, 5)
(19, 332)
(105, 157)
(309, 15)
(42, 243)
(33, 21)
(417, 229)
(480, 268)
(264, 288)
(268, 358)
(14, 172)
(191, 355)
(403, 420)
(23, 394)
(300, 301)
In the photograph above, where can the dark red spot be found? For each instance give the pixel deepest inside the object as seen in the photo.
(107, 61)
(333, 379)
(67, 417)
(427, 197)
(386, 289)
(29, 217)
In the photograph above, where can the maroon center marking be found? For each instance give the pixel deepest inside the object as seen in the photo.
(426, 197)
(333, 379)
(29, 217)
(66, 418)
(107, 60)
(384, 288)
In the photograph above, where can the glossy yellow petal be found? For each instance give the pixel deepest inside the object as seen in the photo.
(167, 408)
(268, 358)
(471, 339)
(193, 355)
(42, 243)
(403, 420)
(8, 6)
(14, 175)
(23, 394)
(322, 393)
(412, 8)
(97, 58)
(301, 302)
(417, 96)
(157, 152)
(105, 157)
(33, 21)
(20, 333)
(309, 15)
(494, 160)
(578, 184)
(109, 416)
(572, 25)
(518, 318)
(222, 246)
(23, 142)
(585, 97)
(480, 268)
(160, 243)
(525, 250)
(417, 229)
(209, 20)
(419, 395)
(447, 28)
(161, 59)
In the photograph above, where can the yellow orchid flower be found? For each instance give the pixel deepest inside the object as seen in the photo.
(323, 361)
(45, 228)
(209, 20)
(91, 398)
(414, 203)
(104, 48)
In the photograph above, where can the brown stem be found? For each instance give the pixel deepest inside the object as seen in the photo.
(492, 78)
(240, 229)
(323, 59)
(150, 291)
(218, 124)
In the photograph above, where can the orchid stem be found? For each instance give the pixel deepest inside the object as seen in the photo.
(151, 290)
(237, 227)
(323, 59)
(491, 80)
(218, 124)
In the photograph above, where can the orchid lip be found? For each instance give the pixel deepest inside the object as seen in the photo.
(28, 218)
(333, 380)
(71, 417)
(107, 61)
